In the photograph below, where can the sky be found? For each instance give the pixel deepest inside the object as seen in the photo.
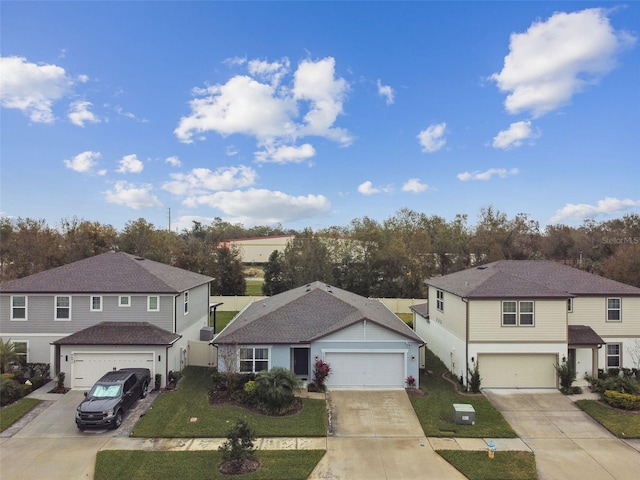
(313, 114)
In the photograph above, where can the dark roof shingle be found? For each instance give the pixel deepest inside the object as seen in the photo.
(111, 272)
(120, 333)
(583, 335)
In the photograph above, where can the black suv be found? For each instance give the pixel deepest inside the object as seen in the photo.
(111, 396)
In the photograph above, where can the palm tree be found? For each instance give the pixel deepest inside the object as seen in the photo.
(275, 389)
(8, 354)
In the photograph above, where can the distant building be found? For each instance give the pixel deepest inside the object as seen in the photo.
(258, 249)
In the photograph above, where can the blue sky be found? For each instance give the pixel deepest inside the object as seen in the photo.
(314, 114)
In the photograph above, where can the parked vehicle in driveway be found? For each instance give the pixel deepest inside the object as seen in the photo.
(111, 396)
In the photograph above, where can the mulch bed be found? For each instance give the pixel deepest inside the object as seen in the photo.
(415, 392)
(248, 466)
(220, 399)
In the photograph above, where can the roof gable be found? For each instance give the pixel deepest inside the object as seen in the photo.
(528, 278)
(305, 314)
(111, 272)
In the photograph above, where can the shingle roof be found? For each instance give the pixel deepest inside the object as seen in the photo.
(583, 335)
(421, 309)
(111, 272)
(306, 314)
(528, 278)
(120, 333)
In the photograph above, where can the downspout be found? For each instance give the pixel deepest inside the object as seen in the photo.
(466, 342)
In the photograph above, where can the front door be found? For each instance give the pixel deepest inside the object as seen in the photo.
(572, 359)
(300, 359)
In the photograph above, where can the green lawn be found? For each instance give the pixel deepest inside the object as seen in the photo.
(222, 319)
(171, 414)
(435, 410)
(254, 288)
(504, 466)
(200, 465)
(621, 424)
(14, 412)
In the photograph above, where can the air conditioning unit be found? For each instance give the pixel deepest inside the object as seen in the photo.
(206, 334)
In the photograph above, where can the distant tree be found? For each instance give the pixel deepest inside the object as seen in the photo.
(276, 279)
(141, 238)
(624, 265)
(83, 239)
(306, 259)
(228, 276)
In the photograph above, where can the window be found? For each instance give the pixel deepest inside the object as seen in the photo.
(517, 313)
(63, 308)
(440, 300)
(96, 304)
(613, 355)
(613, 310)
(18, 307)
(153, 304)
(254, 359)
(21, 349)
(186, 302)
(569, 305)
(509, 313)
(124, 301)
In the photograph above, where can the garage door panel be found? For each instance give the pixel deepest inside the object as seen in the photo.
(366, 369)
(88, 367)
(526, 370)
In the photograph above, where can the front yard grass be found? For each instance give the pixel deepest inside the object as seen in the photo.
(171, 414)
(622, 424)
(504, 466)
(14, 412)
(435, 409)
(201, 465)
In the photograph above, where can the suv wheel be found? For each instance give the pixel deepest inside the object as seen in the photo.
(144, 390)
(118, 420)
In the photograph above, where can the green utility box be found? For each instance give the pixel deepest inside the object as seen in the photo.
(464, 414)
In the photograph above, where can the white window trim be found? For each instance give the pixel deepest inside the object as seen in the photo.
(128, 304)
(619, 355)
(26, 350)
(440, 300)
(149, 309)
(91, 303)
(518, 313)
(186, 302)
(253, 360)
(26, 308)
(619, 309)
(55, 306)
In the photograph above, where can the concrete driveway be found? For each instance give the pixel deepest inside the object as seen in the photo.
(50, 446)
(568, 443)
(376, 436)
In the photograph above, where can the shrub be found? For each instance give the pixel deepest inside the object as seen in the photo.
(411, 381)
(274, 390)
(567, 375)
(321, 370)
(474, 378)
(37, 381)
(60, 377)
(626, 401)
(615, 383)
(9, 390)
(157, 381)
(238, 447)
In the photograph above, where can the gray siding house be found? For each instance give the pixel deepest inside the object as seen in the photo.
(365, 343)
(109, 311)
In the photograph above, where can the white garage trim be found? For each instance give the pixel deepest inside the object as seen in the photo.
(518, 370)
(352, 368)
(87, 367)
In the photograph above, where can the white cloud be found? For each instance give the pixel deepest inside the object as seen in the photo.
(385, 91)
(367, 188)
(515, 135)
(79, 113)
(268, 111)
(202, 180)
(259, 206)
(173, 161)
(557, 58)
(431, 139)
(581, 211)
(286, 154)
(414, 185)
(130, 164)
(129, 195)
(32, 88)
(487, 174)
(84, 162)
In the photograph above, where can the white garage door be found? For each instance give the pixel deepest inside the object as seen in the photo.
(366, 369)
(524, 370)
(90, 366)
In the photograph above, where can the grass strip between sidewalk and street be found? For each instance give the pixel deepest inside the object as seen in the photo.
(14, 412)
(476, 465)
(172, 414)
(622, 424)
(201, 465)
(435, 409)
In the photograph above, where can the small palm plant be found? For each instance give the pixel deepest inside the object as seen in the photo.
(274, 390)
(8, 354)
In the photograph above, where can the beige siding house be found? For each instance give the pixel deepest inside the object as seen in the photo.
(519, 318)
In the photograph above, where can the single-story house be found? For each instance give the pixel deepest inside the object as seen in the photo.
(519, 318)
(365, 343)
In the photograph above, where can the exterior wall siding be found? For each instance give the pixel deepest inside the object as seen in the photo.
(592, 311)
(446, 345)
(364, 331)
(453, 316)
(550, 318)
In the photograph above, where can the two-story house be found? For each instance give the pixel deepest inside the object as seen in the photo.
(106, 312)
(519, 318)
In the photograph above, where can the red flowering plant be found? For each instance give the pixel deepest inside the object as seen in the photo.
(411, 381)
(321, 371)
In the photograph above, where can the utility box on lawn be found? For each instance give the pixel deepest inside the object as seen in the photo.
(464, 414)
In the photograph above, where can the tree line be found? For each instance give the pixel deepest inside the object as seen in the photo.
(391, 258)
